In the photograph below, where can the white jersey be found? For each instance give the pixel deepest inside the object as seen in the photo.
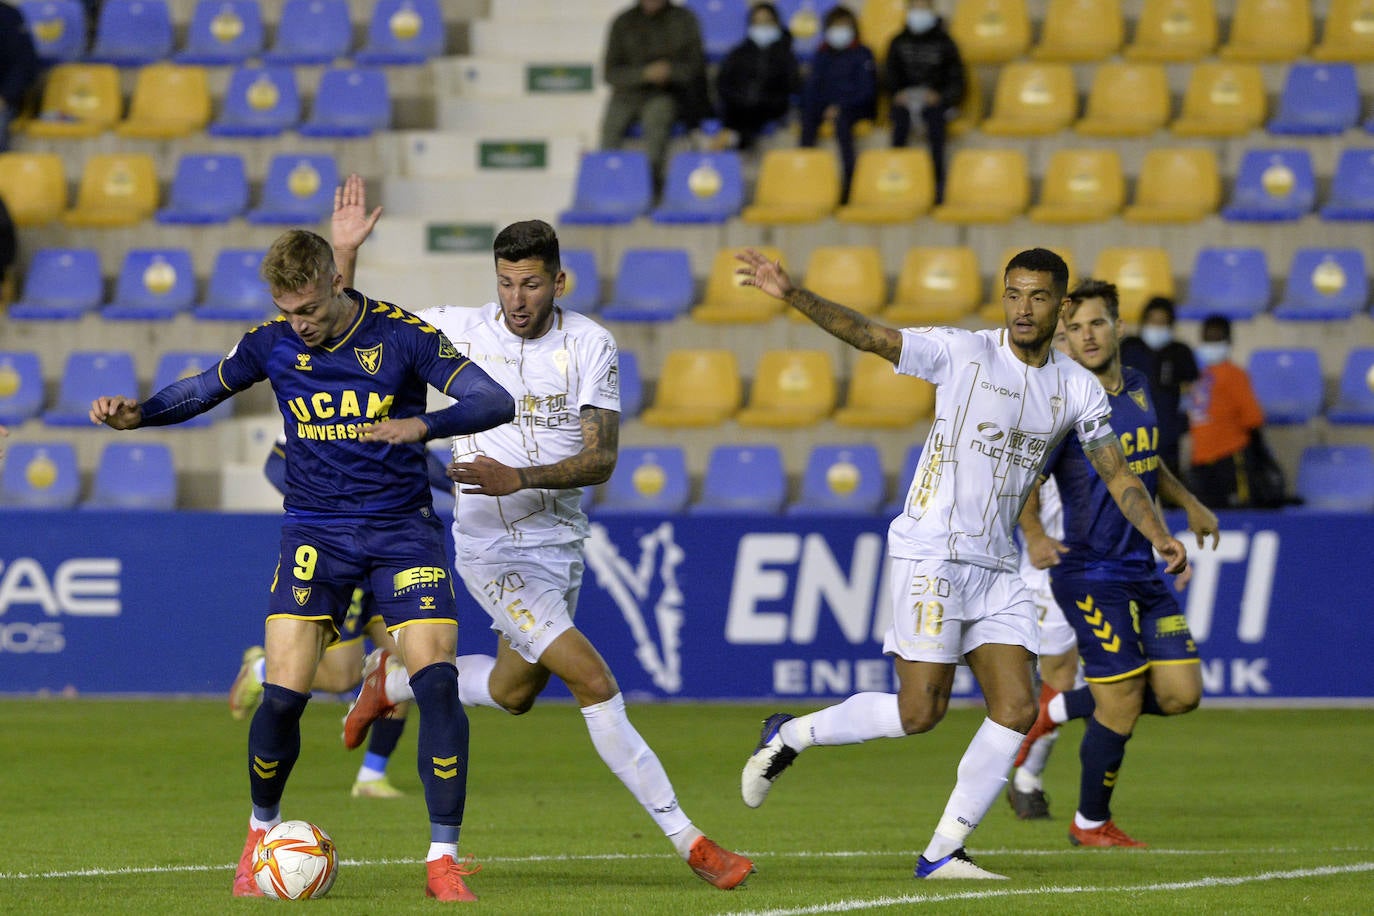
(996, 422)
(574, 365)
(1052, 520)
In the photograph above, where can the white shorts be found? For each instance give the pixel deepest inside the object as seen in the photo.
(942, 610)
(1056, 634)
(531, 596)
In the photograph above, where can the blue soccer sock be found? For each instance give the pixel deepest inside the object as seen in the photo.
(381, 742)
(1101, 754)
(274, 743)
(443, 748)
(1078, 703)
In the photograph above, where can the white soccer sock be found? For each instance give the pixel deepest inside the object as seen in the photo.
(1058, 709)
(862, 717)
(260, 670)
(684, 838)
(439, 850)
(631, 759)
(474, 680)
(397, 686)
(1036, 759)
(367, 774)
(1083, 823)
(982, 774)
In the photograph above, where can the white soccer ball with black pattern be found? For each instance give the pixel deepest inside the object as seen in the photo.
(295, 860)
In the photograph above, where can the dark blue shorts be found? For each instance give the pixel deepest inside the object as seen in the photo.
(1124, 627)
(362, 609)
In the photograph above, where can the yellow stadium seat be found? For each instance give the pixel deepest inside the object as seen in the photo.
(851, 275)
(1347, 32)
(879, 21)
(727, 300)
(33, 186)
(1140, 274)
(696, 388)
(991, 31)
(1080, 30)
(1222, 100)
(880, 398)
(79, 100)
(1032, 100)
(795, 186)
(985, 186)
(169, 101)
(970, 112)
(1174, 30)
(1081, 186)
(1269, 30)
(1179, 185)
(994, 313)
(1126, 100)
(890, 186)
(791, 388)
(937, 285)
(116, 190)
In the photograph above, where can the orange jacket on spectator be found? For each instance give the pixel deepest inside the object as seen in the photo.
(1222, 411)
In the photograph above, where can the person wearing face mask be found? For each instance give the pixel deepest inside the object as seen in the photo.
(842, 88)
(1169, 366)
(925, 75)
(1224, 416)
(757, 78)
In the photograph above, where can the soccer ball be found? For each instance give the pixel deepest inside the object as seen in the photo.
(295, 860)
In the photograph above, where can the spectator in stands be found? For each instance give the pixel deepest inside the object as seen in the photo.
(9, 252)
(1224, 415)
(656, 66)
(841, 89)
(757, 79)
(925, 75)
(18, 67)
(1171, 369)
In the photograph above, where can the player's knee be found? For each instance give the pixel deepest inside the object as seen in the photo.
(923, 719)
(1017, 715)
(516, 701)
(1178, 704)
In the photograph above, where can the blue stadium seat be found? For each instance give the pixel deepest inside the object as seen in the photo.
(258, 102)
(131, 33)
(87, 375)
(1352, 187)
(40, 475)
(21, 386)
(207, 188)
(1317, 99)
(350, 102)
(311, 32)
(647, 480)
(613, 186)
(299, 190)
(403, 32)
(582, 292)
(1337, 478)
(58, 28)
(841, 480)
(1287, 383)
(1227, 281)
(61, 284)
(897, 504)
(1325, 284)
(723, 25)
(1273, 185)
(134, 475)
(702, 188)
(803, 19)
(1355, 394)
(154, 284)
(653, 284)
(235, 291)
(223, 32)
(631, 385)
(742, 479)
(175, 365)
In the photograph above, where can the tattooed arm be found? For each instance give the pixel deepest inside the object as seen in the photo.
(1134, 500)
(592, 465)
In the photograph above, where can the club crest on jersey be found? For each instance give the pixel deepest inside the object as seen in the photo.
(302, 362)
(446, 350)
(302, 595)
(560, 360)
(1138, 395)
(370, 359)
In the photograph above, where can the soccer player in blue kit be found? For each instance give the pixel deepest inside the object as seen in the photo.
(1138, 655)
(350, 376)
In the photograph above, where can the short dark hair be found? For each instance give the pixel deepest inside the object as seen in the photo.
(836, 13)
(766, 7)
(1219, 323)
(1041, 261)
(1159, 304)
(531, 238)
(1088, 288)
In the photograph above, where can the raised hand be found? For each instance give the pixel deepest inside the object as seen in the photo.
(351, 224)
(763, 274)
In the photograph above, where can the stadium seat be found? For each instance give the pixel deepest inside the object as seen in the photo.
(881, 398)
(1126, 99)
(60, 284)
(1355, 392)
(890, 186)
(1347, 33)
(582, 284)
(1140, 274)
(702, 188)
(791, 388)
(1176, 185)
(401, 32)
(991, 31)
(742, 480)
(1336, 478)
(851, 275)
(350, 102)
(652, 284)
(208, 188)
(169, 101)
(58, 28)
(175, 365)
(879, 23)
(79, 100)
(134, 475)
(131, 33)
(613, 187)
(841, 480)
(1270, 31)
(1080, 186)
(1352, 187)
(803, 20)
(1273, 185)
(223, 33)
(21, 386)
(1222, 100)
(235, 291)
(40, 475)
(897, 504)
(1317, 99)
(723, 25)
(311, 32)
(648, 480)
(1287, 384)
(795, 186)
(970, 112)
(258, 102)
(1075, 31)
(727, 300)
(117, 189)
(299, 190)
(87, 375)
(631, 385)
(34, 187)
(937, 285)
(696, 388)
(1227, 281)
(154, 284)
(1325, 284)
(1032, 100)
(1170, 31)
(985, 186)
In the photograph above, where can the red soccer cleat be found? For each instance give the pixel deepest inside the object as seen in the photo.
(1043, 724)
(371, 703)
(1102, 837)
(717, 865)
(245, 885)
(444, 880)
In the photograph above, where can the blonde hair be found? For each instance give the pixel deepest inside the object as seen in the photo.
(297, 260)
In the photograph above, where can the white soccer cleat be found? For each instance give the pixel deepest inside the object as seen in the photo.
(955, 865)
(766, 764)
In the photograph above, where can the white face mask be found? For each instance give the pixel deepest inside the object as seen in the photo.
(1156, 336)
(839, 37)
(1213, 352)
(764, 34)
(920, 21)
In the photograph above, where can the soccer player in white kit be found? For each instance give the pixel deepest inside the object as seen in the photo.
(1004, 398)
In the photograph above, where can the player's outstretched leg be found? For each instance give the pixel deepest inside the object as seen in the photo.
(246, 692)
(372, 702)
(771, 756)
(383, 737)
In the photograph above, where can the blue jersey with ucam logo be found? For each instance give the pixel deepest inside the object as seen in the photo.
(1102, 543)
